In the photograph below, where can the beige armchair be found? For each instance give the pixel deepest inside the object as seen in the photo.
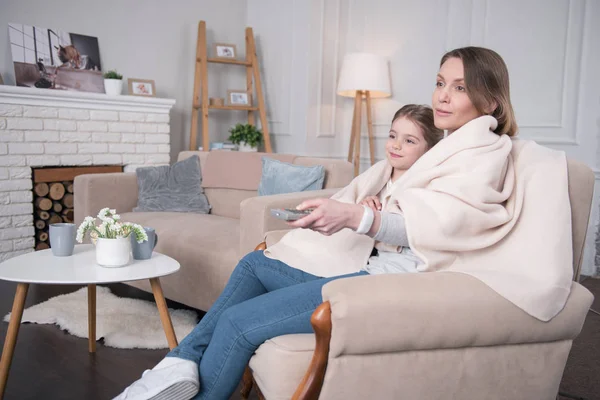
(427, 336)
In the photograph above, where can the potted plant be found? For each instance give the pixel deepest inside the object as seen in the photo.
(246, 136)
(113, 83)
(111, 237)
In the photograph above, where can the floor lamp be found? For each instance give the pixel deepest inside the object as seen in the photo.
(363, 75)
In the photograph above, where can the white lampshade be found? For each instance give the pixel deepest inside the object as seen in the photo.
(364, 71)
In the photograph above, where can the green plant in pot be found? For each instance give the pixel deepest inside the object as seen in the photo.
(246, 136)
(113, 83)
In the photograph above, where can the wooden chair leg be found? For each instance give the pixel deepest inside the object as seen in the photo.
(247, 382)
(258, 392)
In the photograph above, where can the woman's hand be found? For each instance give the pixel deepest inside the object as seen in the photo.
(329, 216)
(372, 202)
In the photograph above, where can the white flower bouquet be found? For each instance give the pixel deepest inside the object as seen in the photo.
(110, 227)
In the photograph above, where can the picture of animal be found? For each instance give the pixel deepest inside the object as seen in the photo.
(70, 57)
(55, 59)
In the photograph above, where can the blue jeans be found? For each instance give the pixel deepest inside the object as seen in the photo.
(264, 298)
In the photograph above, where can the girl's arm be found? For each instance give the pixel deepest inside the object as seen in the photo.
(331, 216)
(389, 228)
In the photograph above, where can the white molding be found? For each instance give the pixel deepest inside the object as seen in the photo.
(98, 101)
(273, 130)
(331, 133)
(320, 68)
(554, 141)
(571, 68)
(336, 61)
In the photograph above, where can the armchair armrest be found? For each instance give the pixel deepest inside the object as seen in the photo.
(95, 191)
(403, 312)
(256, 219)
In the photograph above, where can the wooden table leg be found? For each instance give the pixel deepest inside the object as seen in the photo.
(11, 335)
(163, 310)
(92, 318)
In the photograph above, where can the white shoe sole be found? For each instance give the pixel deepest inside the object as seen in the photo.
(183, 390)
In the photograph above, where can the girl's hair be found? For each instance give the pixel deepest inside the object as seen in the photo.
(486, 78)
(422, 116)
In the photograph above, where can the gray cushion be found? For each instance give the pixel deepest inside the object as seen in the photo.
(280, 177)
(172, 188)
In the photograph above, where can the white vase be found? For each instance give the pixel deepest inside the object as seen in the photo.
(113, 87)
(243, 146)
(113, 252)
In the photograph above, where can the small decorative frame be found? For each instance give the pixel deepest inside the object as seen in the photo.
(224, 50)
(141, 87)
(239, 98)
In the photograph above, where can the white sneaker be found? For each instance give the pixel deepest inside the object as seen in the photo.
(171, 379)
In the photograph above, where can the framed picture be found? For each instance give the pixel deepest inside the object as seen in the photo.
(239, 98)
(223, 50)
(48, 58)
(141, 87)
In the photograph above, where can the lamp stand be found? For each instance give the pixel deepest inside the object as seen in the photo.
(355, 133)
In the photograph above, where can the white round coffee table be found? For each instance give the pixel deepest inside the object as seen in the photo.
(42, 267)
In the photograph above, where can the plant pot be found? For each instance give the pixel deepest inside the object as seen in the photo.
(113, 87)
(113, 252)
(246, 147)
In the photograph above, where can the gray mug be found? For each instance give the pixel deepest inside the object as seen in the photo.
(143, 251)
(62, 239)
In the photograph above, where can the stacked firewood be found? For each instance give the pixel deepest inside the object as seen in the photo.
(52, 203)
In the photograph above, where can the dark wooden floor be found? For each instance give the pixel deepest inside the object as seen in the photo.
(50, 364)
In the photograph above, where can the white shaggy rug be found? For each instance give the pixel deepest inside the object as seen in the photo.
(123, 323)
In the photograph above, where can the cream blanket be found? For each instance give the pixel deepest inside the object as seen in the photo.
(477, 203)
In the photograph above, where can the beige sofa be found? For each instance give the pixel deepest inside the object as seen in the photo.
(208, 246)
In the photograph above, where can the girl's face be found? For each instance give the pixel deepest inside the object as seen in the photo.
(452, 107)
(405, 144)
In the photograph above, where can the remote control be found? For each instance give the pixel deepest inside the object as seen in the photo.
(290, 214)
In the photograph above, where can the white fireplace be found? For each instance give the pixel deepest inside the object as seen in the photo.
(41, 128)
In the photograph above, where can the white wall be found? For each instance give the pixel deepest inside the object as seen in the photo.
(551, 47)
(153, 39)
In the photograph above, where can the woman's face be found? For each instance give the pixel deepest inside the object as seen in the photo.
(405, 144)
(452, 107)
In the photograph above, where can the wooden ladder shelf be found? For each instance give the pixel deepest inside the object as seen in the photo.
(200, 100)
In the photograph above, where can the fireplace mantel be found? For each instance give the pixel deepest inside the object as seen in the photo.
(65, 98)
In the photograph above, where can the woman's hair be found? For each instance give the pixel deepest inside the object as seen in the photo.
(486, 78)
(422, 116)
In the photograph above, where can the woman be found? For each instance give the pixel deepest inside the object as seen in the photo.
(469, 175)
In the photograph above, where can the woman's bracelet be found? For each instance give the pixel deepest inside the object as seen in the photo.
(366, 222)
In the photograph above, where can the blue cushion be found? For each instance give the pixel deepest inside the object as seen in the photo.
(281, 177)
(172, 188)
